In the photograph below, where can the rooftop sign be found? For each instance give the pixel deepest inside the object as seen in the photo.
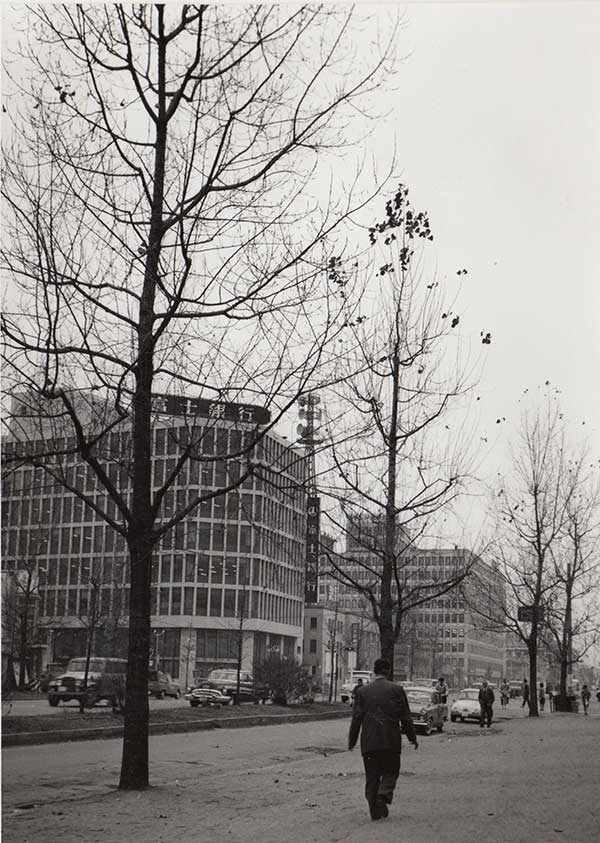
(180, 405)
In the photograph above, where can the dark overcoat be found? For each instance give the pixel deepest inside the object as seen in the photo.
(379, 709)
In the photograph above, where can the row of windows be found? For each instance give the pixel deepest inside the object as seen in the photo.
(434, 632)
(203, 569)
(441, 617)
(191, 536)
(210, 472)
(234, 506)
(202, 602)
(105, 602)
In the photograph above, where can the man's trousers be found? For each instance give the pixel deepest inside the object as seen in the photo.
(381, 770)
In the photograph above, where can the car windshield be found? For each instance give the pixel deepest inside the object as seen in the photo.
(419, 697)
(222, 675)
(78, 665)
(469, 694)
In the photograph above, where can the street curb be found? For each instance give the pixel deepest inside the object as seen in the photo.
(170, 727)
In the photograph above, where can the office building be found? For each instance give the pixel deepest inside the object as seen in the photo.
(232, 570)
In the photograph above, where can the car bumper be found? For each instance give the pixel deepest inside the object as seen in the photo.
(467, 713)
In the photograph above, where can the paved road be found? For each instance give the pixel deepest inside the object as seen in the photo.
(524, 780)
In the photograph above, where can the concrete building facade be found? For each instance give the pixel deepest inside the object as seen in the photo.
(232, 570)
(440, 637)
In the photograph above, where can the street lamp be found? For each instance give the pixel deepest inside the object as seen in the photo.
(158, 633)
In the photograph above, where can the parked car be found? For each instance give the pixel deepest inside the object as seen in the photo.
(516, 688)
(207, 694)
(105, 681)
(53, 669)
(466, 706)
(225, 680)
(348, 687)
(426, 709)
(160, 685)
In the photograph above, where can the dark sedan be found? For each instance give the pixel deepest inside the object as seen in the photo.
(160, 685)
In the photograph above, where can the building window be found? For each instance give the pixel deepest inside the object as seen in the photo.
(188, 601)
(229, 603)
(215, 602)
(313, 623)
(201, 601)
(312, 645)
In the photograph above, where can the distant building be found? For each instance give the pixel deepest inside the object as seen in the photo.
(337, 641)
(441, 636)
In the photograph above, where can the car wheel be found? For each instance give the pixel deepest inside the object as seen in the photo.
(453, 718)
(429, 726)
(53, 701)
(177, 694)
(160, 695)
(194, 703)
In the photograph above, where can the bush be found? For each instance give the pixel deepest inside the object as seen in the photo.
(285, 680)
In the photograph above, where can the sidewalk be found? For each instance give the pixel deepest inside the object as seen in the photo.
(525, 780)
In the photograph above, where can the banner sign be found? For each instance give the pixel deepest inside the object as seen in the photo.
(180, 405)
(311, 586)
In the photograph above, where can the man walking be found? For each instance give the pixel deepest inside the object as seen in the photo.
(525, 694)
(486, 701)
(442, 689)
(379, 708)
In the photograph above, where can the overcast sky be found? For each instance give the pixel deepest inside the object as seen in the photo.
(498, 135)
(496, 120)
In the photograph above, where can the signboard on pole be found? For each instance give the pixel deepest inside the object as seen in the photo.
(311, 583)
(528, 613)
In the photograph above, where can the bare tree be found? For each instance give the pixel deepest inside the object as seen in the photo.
(161, 237)
(571, 626)
(530, 508)
(20, 609)
(100, 608)
(392, 478)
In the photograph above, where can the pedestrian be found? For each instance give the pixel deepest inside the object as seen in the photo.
(525, 693)
(504, 693)
(379, 708)
(486, 701)
(550, 695)
(442, 689)
(585, 698)
(358, 685)
(542, 696)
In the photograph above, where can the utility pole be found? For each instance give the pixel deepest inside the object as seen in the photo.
(240, 642)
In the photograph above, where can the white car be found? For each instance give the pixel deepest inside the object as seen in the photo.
(466, 707)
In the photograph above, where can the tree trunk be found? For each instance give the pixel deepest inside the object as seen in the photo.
(386, 626)
(134, 766)
(533, 690)
(23, 634)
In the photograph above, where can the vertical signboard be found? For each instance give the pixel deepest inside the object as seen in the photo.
(312, 550)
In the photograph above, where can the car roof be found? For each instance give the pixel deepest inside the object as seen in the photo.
(427, 690)
(464, 690)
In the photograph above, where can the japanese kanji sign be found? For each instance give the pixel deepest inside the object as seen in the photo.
(179, 405)
(312, 550)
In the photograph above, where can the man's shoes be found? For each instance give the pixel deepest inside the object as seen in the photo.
(382, 807)
(374, 811)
